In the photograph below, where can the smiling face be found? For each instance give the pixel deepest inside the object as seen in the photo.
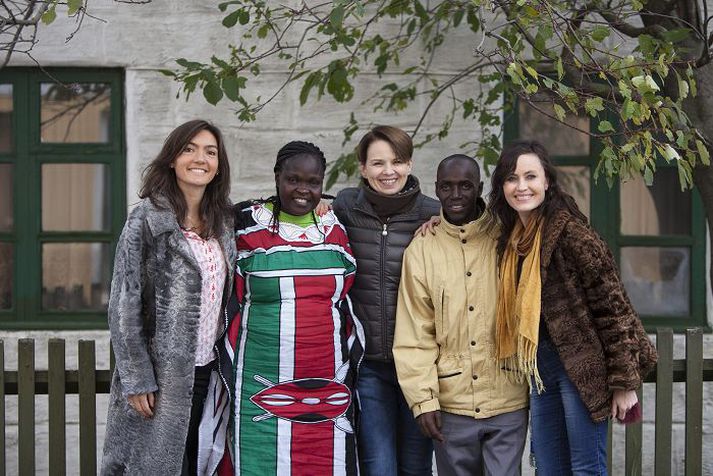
(299, 184)
(525, 187)
(385, 172)
(197, 164)
(458, 186)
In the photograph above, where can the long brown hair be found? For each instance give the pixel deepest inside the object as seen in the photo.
(159, 179)
(555, 198)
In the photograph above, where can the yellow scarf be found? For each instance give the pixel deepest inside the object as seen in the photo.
(519, 304)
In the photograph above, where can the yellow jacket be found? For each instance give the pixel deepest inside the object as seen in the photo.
(444, 346)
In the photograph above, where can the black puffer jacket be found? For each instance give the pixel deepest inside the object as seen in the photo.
(378, 248)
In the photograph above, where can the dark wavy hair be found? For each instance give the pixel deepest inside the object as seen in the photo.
(555, 198)
(288, 151)
(159, 182)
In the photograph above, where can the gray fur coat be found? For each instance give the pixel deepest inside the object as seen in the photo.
(154, 309)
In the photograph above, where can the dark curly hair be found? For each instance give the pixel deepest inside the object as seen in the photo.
(159, 179)
(555, 198)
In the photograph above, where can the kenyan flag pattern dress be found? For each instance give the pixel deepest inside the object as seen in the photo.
(295, 347)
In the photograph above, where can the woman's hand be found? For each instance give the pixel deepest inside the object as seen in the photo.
(322, 208)
(428, 226)
(622, 401)
(142, 403)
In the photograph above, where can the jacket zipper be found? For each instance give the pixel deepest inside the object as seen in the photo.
(384, 323)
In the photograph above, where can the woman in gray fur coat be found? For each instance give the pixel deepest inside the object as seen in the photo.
(174, 263)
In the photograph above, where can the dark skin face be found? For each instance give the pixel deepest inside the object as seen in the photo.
(299, 184)
(458, 186)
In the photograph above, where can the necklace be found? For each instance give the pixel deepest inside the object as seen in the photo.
(193, 225)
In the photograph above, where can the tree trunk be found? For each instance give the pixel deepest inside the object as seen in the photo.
(700, 112)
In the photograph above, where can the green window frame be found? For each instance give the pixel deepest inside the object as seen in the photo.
(27, 156)
(605, 216)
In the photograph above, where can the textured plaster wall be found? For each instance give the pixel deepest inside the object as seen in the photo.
(142, 39)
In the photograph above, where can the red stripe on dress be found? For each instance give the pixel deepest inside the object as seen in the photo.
(312, 449)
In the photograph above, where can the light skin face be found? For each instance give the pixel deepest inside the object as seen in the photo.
(299, 184)
(386, 173)
(525, 187)
(458, 186)
(197, 163)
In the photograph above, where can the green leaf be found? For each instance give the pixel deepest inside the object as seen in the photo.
(73, 6)
(336, 17)
(605, 126)
(219, 62)
(594, 105)
(648, 177)
(458, 17)
(676, 35)
(473, 20)
(599, 33)
(560, 69)
(190, 65)
(212, 92)
(231, 87)
(230, 20)
(49, 15)
(262, 31)
(703, 152)
(559, 112)
(311, 81)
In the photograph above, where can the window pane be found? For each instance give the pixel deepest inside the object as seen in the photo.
(75, 197)
(6, 189)
(661, 209)
(78, 112)
(575, 181)
(558, 138)
(657, 279)
(6, 268)
(5, 117)
(75, 276)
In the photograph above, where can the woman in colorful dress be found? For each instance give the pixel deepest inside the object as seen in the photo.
(564, 320)
(294, 341)
(172, 266)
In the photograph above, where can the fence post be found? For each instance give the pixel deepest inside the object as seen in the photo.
(26, 406)
(633, 439)
(87, 409)
(56, 407)
(664, 402)
(2, 407)
(694, 401)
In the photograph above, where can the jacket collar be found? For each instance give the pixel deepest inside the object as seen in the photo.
(470, 229)
(552, 231)
(159, 216)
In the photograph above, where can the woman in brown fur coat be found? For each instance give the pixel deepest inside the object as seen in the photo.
(565, 322)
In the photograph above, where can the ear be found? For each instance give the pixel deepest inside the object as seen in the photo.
(410, 165)
(480, 189)
(547, 184)
(362, 169)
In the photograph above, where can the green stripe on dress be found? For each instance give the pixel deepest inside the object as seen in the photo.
(258, 449)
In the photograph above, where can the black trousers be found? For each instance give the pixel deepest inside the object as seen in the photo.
(200, 391)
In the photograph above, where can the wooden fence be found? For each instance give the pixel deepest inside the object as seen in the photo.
(56, 382)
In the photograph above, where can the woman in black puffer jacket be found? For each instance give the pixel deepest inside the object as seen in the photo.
(380, 217)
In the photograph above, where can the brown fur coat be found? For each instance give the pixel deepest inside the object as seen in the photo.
(597, 333)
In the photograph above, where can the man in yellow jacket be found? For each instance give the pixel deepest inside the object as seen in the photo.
(444, 346)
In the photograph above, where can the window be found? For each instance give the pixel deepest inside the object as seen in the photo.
(62, 195)
(657, 233)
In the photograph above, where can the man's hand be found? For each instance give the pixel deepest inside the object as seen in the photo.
(430, 425)
(143, 403)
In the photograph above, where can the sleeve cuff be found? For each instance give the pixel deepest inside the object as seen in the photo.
(425, 407)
